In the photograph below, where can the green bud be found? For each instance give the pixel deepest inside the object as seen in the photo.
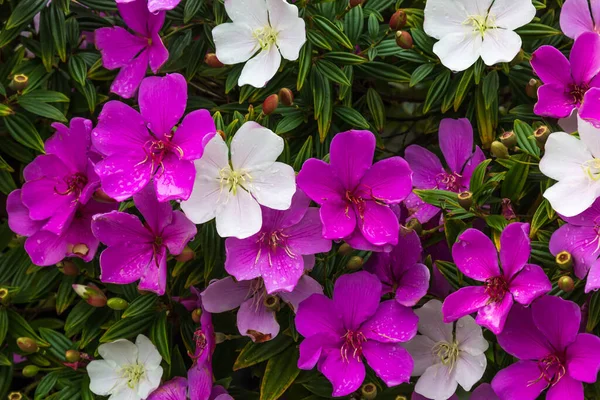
(499, 150)
(345, 249)
(272, 302)
(30, 371)
(414, 225)
(564, 260)
(91, 294)
(354, 263)
(27, 345)
(566, 284)
(117, 303)
(509, 139)
(541, 136)
(19, 82)
(72, 356)
(368, 391)
(465, 199)
(196, 314)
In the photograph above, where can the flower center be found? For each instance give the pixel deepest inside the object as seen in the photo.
(74, 184)
(266, 37)
(133, 373)
(356, 201)
(156, 150)
(578, 91)
(592, 168)
(480, 23)
(551, 370)
(446, 352)
(352, 346)
(272, 241)
(496, 288)
(448, 181)
(231, 179)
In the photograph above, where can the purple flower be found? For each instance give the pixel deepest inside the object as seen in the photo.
(476, 257)
(456, 143)
(254, 318)
(177, 389)
(552, 353)
(134, 155)
(132, 53)
(575, 17)
(276, 253)
(139, 251)
(355, 195)
(484, 392)
(580, 236)
(156, 5)
(400, 270)
(340, 332)
(569, 85)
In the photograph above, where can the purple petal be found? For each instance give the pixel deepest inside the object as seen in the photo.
(420, 210)
(117, 228)
(306, 287)
(195, 131)
(358, 242)
(162, 102)
(155, 22)
(274, 220)
(157, 215)
(529, 284)
(154, 278)
(312, 347)
(515, 248)
(18, 216)
(122, 176)
(225, 294)
(118, 47)
(174, 180)
(317, 315)
(585, 57)
(378, 224)
(157, 53)
(175, 389)
(380, 264)
(305, 237)
(477, 158)
(388, 180)
(71, 144)
(135, 14)
(593, 278)
(44, 200)
(456, 142)
(551, 66)
(390, 361)
(425, 166)
(199, 382)
(519, 381)
(475, 255)
(463, 302)
(178, 234)
(257, 321)
(80, 232)
(590, 108)
(554, 101)
(46, 166)
(46, 248)
(125, 263)
(244, 257)
(575, 18)
(583, 358)
(281, 271)
(493, 316)
(351, 155)
(345, 376)
(586, 218)
(162, 5)
(356, 298)
(581, 242)
(391, 323)
(484, 392)
(120, 130)
(548, 316)
(130, 76)
(406, 253)
(521, 338)
(317, 180)
(338, 220)
(566, 388)
(413, 285)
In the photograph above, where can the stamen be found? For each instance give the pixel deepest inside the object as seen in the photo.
(266, 37)
(447, 353)
(592, 169)
(133, 373)
(496, 289)
(447, 181)
(352, 343)
(551, 370)
(481, 23)
(75, 184)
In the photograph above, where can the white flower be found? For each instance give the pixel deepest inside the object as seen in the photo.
(268, 26)
(575, 164)
(233, 193)
(468, 29)
(128, 371)
(444, 358)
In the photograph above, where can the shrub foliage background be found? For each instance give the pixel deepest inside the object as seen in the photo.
(350, 74)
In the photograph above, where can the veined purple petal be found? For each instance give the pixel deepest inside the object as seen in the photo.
(306, 287)
(493, 316)
(356, 298)
(118, 47)
(475, 255)
(177, 234)
(521, 338)
(413, 285)
(257, 321)
(135, 14)
(317, 315)
(125, 263)
(566, 388)
(305, 236)
(130, 76)
(174, 179)
(345, 376)
(593, 278)
(387, 180)
(548, 312)
(120, 130)
(425, 166)
(391, 323)
(312, 347)
(529, 284)
(351, 155)
(157, 215)
(551, 66)
(519, 381)
(200, 382)
(18, 216)
(339, 219)
(154, 278)
(554, 101)
(463, 302)
(378, 223)
(575, 18)
(390, 361)
(71, 144)
(456, 142)
(122, 175)
(162, 102)
(515, 248)
(581, 241)
(162, 5)
(317, 180)
(585, 57)
(590, 108)
(157, 53)
(484, 392)
(225, 294)
(175, 389)
(118, 228)
(195, 131)
(244, 257)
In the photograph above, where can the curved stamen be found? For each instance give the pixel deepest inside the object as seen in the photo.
(352, 345)
(496, 289)
(447, 353)
(551, 370)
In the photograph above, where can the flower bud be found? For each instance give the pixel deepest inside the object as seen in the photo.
(15, 396)
(465, 199)
(220, 337)
(509, 139)
(368, 391)
(30, 371)
(270, 104)
(564, 260)
(398, 20)
(186, 255)
(532, 87)
(222, 134)
(354, 3)
(566, 284)
(541, 136)
(414, 225)
(72, 356)
(196, 314)
(91, 294)
(19, 82)
(212, 61)
(27, 345)
(404, 40)
(400, 397)
(345, 249)
(69, 268)
(499, 150)
(4, 293)
(101, 196)
(117, 303)
(272, 302)
(354, 263)
(286, 96)
(518, 58)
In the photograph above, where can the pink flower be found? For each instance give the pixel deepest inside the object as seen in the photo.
(575, 17)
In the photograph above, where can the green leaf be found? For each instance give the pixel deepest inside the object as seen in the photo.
(304, 154)
(343, 58)
(537, 31)
(78, 317)
(254, 353)
(190, 9)
(141, 305)
(23, 131)
(89, 92)
(86, 393)
(525, 138)
(478, 176)
(280, 373)
(331, 30)
(7, 183)
(452, 229)
(6, 376)
(24, 12)
(487, 120)
(437, 90)
(515, 179)
(304, 64)
(351, 117)
(5, 110)
(384, 71)
(59, 33)
(78, 69)
(127, 328)
(3, 324)
(540, 218)
(160, 336)
(46, 384)
(318, 40)
(45, 96)
(289, 123)
(377, 109)
(465, 83)
(420, 73)
(46, 41)
(21, 328)
(496, 222)
(594, 312)
(332, 72)
(59, 343)
(354, 23)
(65, 294)
(491, 84)
(41, 109)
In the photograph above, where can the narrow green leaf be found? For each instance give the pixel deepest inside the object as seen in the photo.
(142, 305)
(46, 41)
(525, 139)
(478, 176)
(19, 327)
(332, 72)
(280, 373)
(515, 179)
(159, 334)
(437, 90)
(127, 328)
(3, 324)
(304, 64)
(289, 123)
(78, 69)
(254, 353)
(77, 317)
(190, 9)
(491, 84)
(420, 73)
(42, 109)
(24, 12)
(466, 81)
(537, 31)
(318, 40)
(343, 58)
(65, 294)
(59, 33)
(330, 29)
(304, 154)
(46, 96)
(384, 71)
(351, 117)
(354, 23)
(377, 109)
(59, 343)
(46, 384)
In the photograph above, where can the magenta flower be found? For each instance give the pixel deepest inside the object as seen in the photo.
(580, 236)
(400, 270)
(340, 332)
(177, 389)
(355, 195)
(132, 53)
(141, 146)
(553, 355)
(575, 17)
(476, 257)
(139, 251)
(276, 253)
(569, 85)
(484, 392)
(456, 143)
(254, 318)
(156, 5)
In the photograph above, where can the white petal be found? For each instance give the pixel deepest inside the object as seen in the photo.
(262, 67)
(275, 186)
(291, 31)
(121, 351)
(470, 369)
(512, 14)
(569, 124)
(250, 12)
(234, 43)
(499, 45)
(255, 147)
(437, 383)
(563, 157)
(458, 51)
(240, 216)
(590, 135)
(445, 17)
(570, 197)
(431, 322)
(421, 350)
(150, 382)
(203, 202)
(148, 355)
(125, 393)
(470, 336)
(104, 377)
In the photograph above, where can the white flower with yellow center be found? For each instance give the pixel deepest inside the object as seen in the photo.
(446, 355)
(575, 164)
(128, 371)
(469, 29)
(232, 192)
(261, 33)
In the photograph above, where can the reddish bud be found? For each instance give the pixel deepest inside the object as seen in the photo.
(286, 96)
(404, 40)
(69, 268)
(270, 104)
(222, 134)
(72, 356)
(212, 61)
(354, 3)
(566, 284)
(398, 20)
(186, 255)
(27, 345)
(196, 314)
(91, 294)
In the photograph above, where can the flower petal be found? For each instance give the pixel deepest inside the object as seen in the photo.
(469, 337)
(121, 351)
(306, 287)
(135, 14)
(456, 142)
(104, 377)
(413, 285)
(130, 76)
(566, 388)
(585, 57)
(125, 263)
(18, 216)
(421, 351)
(338, 220)
(519, 381)
(475, 255)
(554, 101)
(195, 131)
(250, 12)
(120, 129)
(161, 5)
(515, 248)
(511, 15)
(261, 68)
(311, 349)
(240, 216)
(575, 18)
(458, 51)
(174, 179)
(463, 302)
(117, 46)
(71, 144)
(529, 284)
(291, 31)
(593, 278)
(548, 312)
(224, 295)
(156, 214)
(484, 392)
(378, 224)
(470, 369)
(521, 338)
(390, 361)
(257, 321)
(46, 248)
(493, 316)
(443, 18)
(500, 45)
(580, 241)
(356, 298)
(162, 102)
(351, 155)
(589, 134)
(388, 180)
(345, 376)
(437, 382)
(317, 315)
(560, 195)
(391, 323)
(274, 186)
(178, 234)
(255, 147)
(318, 181)
(583, 358)
(425, 165)
(431, 323)
(122, 176)
(157, 53)
(147, 352)
(115, 228)
(305, 237)
(234, 43)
